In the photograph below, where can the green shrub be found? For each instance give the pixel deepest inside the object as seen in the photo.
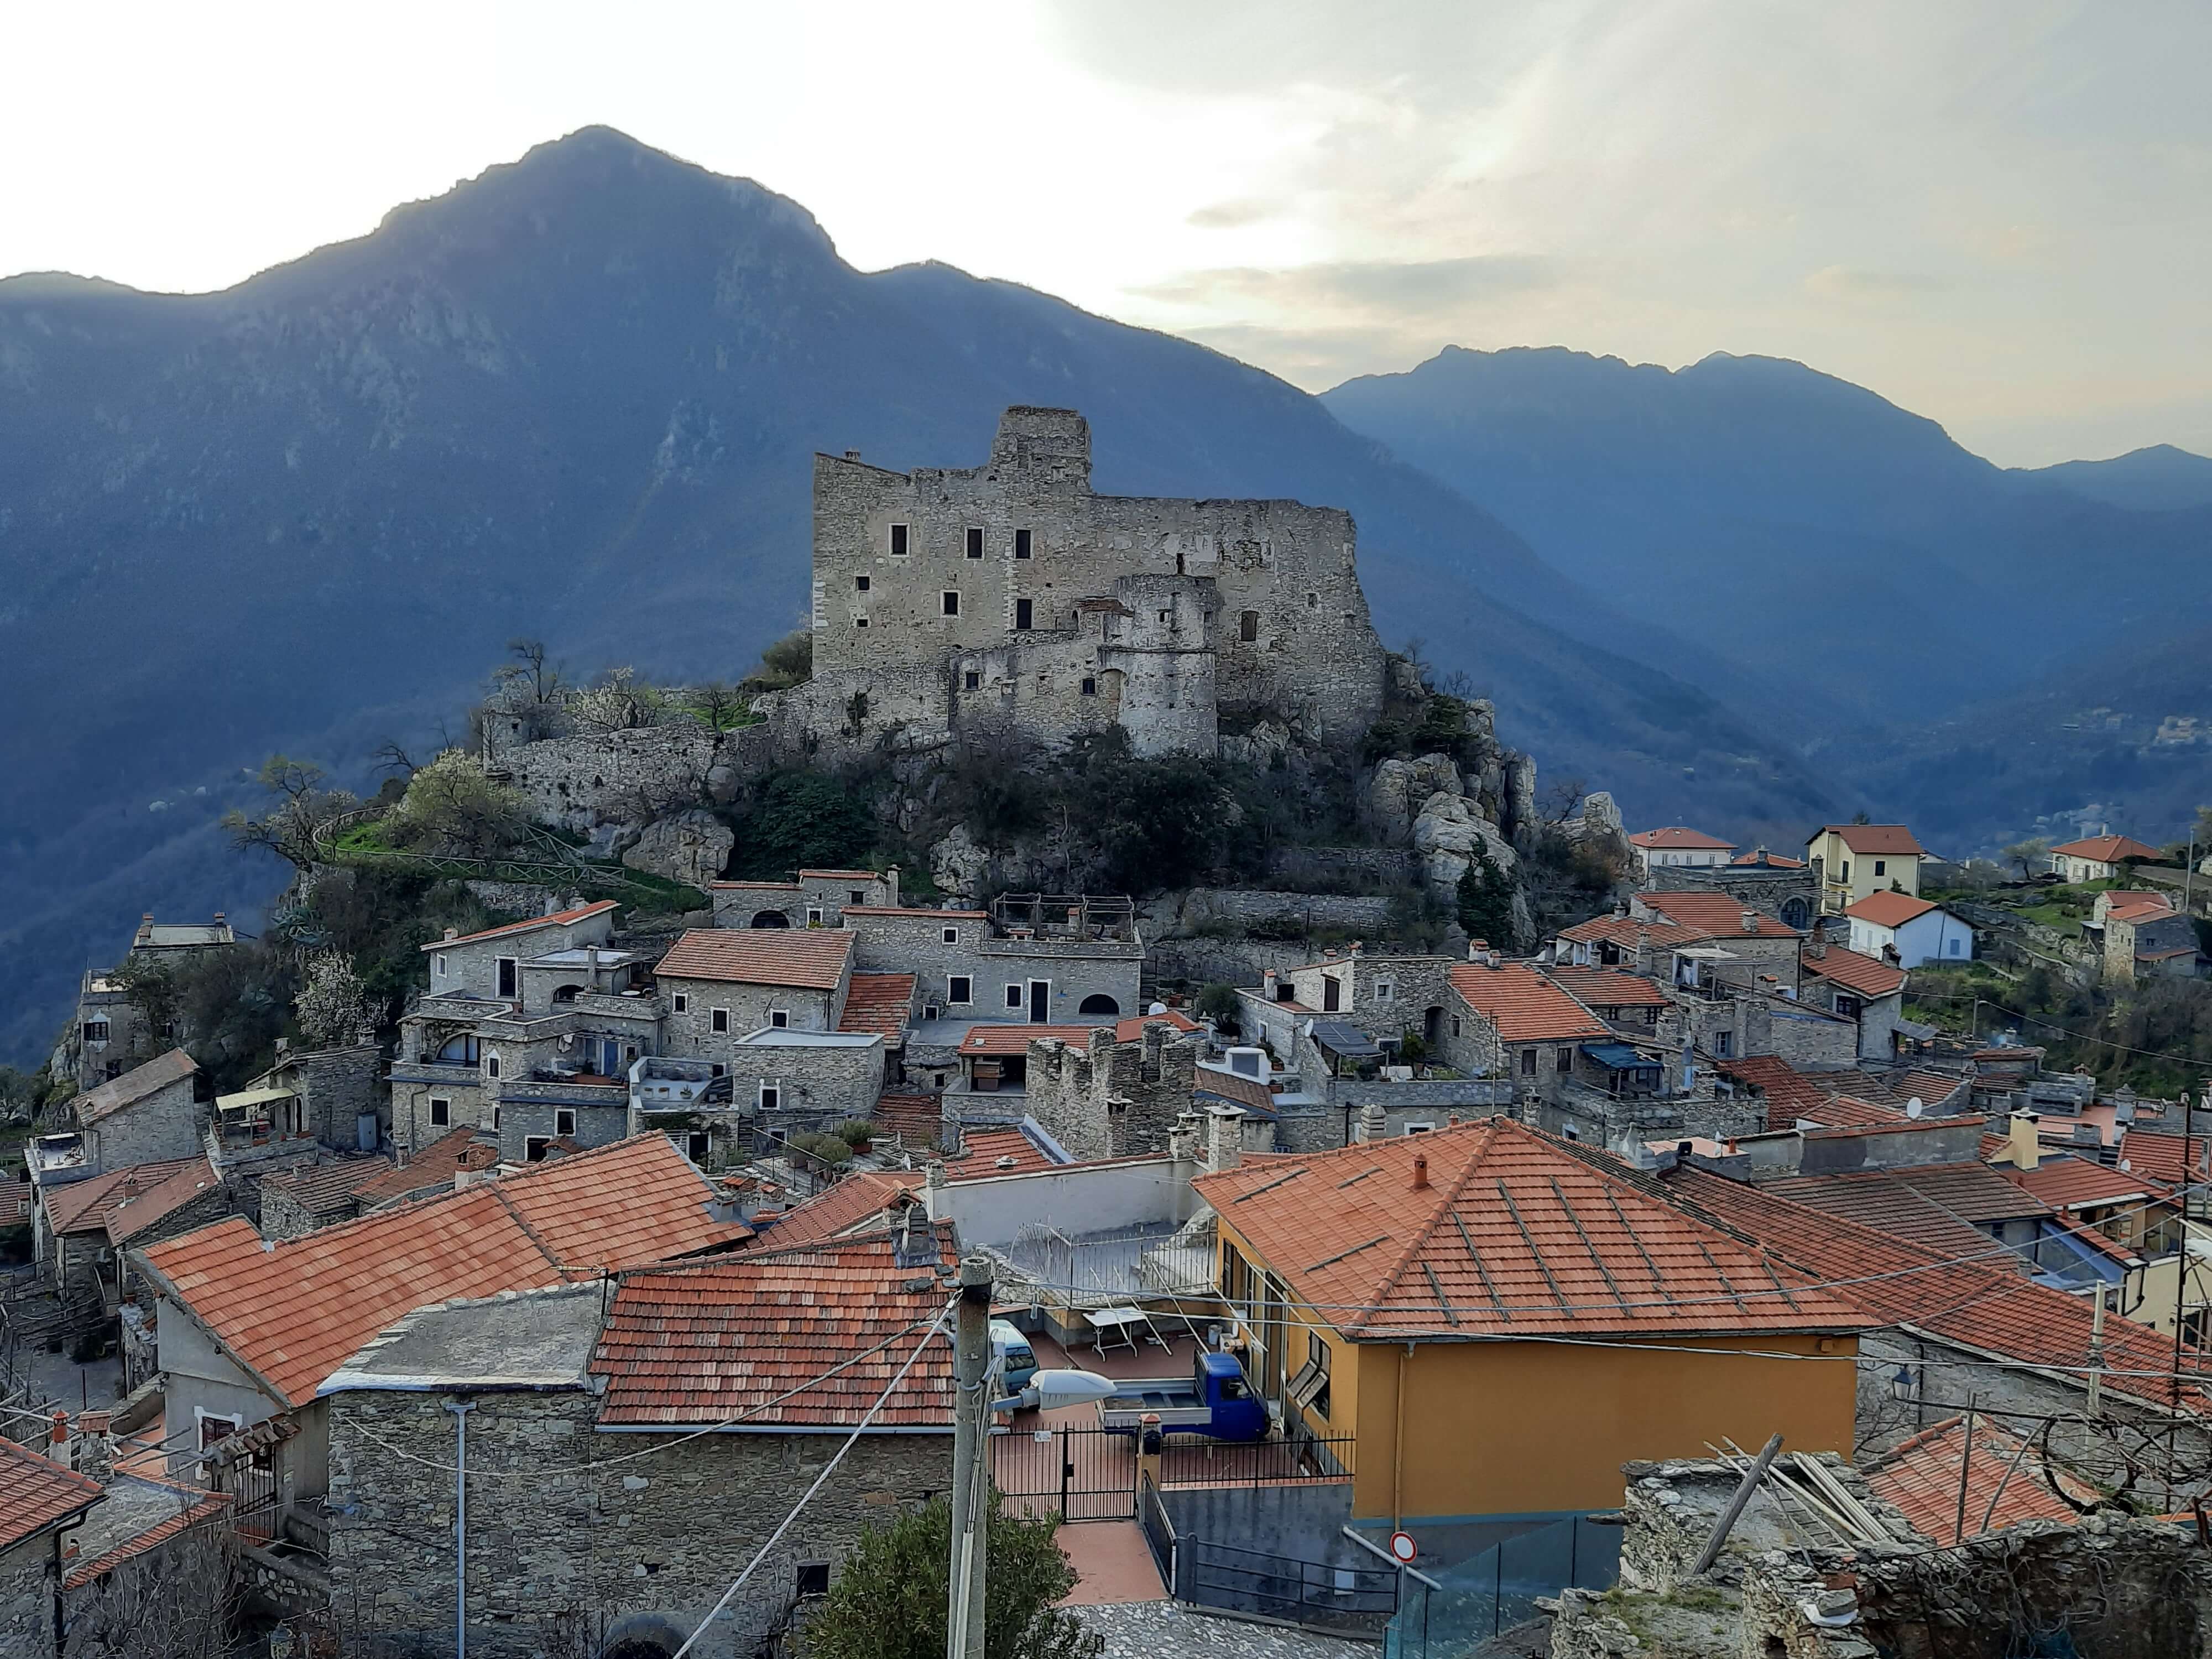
(856, 1132)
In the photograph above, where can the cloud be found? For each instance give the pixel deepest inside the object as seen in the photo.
(1409, 287)
(1233, 216)
(1841, 282)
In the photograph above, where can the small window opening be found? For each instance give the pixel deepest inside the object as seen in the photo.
(971, 681)
(1022, 613)
(974, 542)
(1090, 685)
(1248, 626)
(1021, 544)
(719, 1019)
(952, 602)
(898, 539)
(860, 583)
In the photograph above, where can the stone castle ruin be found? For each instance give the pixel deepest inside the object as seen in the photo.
(1011, 597)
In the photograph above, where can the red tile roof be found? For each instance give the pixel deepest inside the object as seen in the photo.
(1607, 987)
(17, 1199)
(916, 1119)
(1922, 1477)
(1888, 909)
(1622, 930)
(136, 1198)
(193, 1507)
(690, 1346)
(858, 1198)
(1870, 840)
(809, 958)
(2107, 849)
(1763, 859)
(881, 1003)
(1984, 1305)
(292, 1310)
(1933, 1204)
(1132, 1030)
(1509, 1233)
(2160, 1155)
(1847, 1112)
(2078, 1183)
(435, 1166)
(1247, 1091)
(1523, 1006)
(37, 1494)
(1677, 838)
(981, 1150)
(1789, 1095)
(1714, 915)
(2137, 908)
(1931, 1088)
(1855, 971)
(133, 1086)
(1001, 1038)
(559, 918)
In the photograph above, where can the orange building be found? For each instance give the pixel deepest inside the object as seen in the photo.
(1498, 1320)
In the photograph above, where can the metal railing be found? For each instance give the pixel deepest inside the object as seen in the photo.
(1318, 1595)
(1444, 1616)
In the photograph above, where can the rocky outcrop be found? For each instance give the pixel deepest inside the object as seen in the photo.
(692, 848)
(958, 865)
(1445, 836)
(1396, 790)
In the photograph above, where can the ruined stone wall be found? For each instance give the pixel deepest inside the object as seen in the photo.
(26, 1597)
(556, 1555)
(596, 783)
(1109, 1099)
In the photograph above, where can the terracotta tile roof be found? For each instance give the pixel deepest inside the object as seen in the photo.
(2076, 1183)
(1677, 838)
(2107, 849)
(559, 918)
(328, 1188)
(1871, 840)
(17, 1199)
(1763, 859)
(2160, 1155)
(1922, 1475)
(1607, 987)
(1984, 1305)
(1931, 1089)
(1132, 1030)
(690, 1346)
(1246, 1091)
(1889, 909)
(981, 1150)
(37, 1494)
(1855, 971)
(434, 1167)
(1856, 1112)
(881, 1003)
(857, 1199)
(916, 1119)
(1513, 1233)
(2148, 909)
(1789, 1095)
(292, 1310)
(1937, 1204)
(810, 959)
(192, 1507)
(148, 1191)
(1714, 915)
(1622, 930)
(1000, 1038)
(1523, 1006)
(133, 1086)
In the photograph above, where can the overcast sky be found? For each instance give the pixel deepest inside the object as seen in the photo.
(1996, 214)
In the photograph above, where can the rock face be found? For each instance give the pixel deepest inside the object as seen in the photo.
(1396, 789)
(1445, 836)
(958, 865)
(692, 847)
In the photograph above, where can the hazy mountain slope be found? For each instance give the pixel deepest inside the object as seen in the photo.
(1762, 507)
(577, 397)
(2158, 479)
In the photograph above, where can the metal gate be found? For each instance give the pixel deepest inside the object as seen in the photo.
(1076, 1474)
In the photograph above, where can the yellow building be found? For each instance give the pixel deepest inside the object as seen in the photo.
(1860, 860)
(1498, 1320)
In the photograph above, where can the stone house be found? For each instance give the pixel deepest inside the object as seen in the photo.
(82, 1230)
(110, 1033)
(1114, 1097)
(1509, 1021)
(1011, 597)
(1632, 1004)
(2146, 937)
(40, 1501)
(721, 983)
(247, 1331)
(2099, 857)
(156, 1111)
(1044, 959)
(1678, 847)
(602, 1430)
(1388, 997)
(488, 964)
(812, 898)
(293, 1115)
(1862, 989)
(1856, 860)
(297, 1201)
(151, 1573)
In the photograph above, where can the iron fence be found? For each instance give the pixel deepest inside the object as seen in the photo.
(1091, 1473)
(1319, 1595)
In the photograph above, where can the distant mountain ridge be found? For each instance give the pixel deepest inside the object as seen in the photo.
(2156, 479)
(577, 397)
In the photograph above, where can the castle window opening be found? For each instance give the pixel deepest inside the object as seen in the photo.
(696, 1145)
(683, 1002)
(952, 602)
(718, 1019)
(1528, 1062)
(971, 681)
(1022, 613)
(1021, 544)
(860, 584)
(779, 1018)
(974, 542)
(1090, 685)
(898, 540)
(491, 1064)
(441, 1113)
(1313, 601)
(860, 622)
(960, 990)
(1101, 1004)
(771, 1095)
(1248, 626)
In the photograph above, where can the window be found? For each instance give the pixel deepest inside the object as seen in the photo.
(491, 1064)
(1313, 601)
(564, 1121)
(811, 1578)
(1384, 990)
(1090, 685)
(507, 976)
(461, 1051)
(1420, 1128)
(950, 936)
(1455, 1024)
(1881, 866)
(1847, 870)
(860, 622)
(813, 916)
(214, 1429)
(696, 1145)
(971, 681)
(1310, 1388)
(438, 964)
(1248, 626)
(1958, 947)
(441, 1113)
(1022, 613)
(960, 989)
(930, 1010)
(718, 1019)
(718, 1070)
(1848, 1008)
(779, 1018)
(495, 1117)
(974, 542)
(1723, 1044)
(860, 584)
(1013, 996)
(952, 602)
(1528, 1062)
(1021, 544)
(854, 895)
(683, 1002)
(898, 541)
(95, 1030)
(771, 1095)
(1565, 1060)
(533, 1148)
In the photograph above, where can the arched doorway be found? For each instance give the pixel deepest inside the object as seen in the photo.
(1794, 913)
(770, 918)
(1101, 1004)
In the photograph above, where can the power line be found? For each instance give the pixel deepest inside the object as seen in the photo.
(2065, 1031)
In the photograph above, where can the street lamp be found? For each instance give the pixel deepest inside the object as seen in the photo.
(1050, 1389)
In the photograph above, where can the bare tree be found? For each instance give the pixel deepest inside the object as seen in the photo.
(2027, 854)
(389, 756)
(301, 808)
(180, 1601)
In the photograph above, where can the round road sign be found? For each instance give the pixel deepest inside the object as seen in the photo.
(1402, 1547)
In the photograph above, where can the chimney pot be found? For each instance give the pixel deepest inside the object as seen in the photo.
(852, 454)
(1750, 919)
(452, 933)
(1421, 1170)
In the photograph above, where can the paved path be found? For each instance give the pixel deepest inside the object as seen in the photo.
(1147, 1630)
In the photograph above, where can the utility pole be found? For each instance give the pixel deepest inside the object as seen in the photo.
(971, 1487)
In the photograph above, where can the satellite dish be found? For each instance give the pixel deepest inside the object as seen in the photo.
(1914, 1107)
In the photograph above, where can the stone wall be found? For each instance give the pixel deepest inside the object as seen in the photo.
(690, 1029)
(339, 1087)
(599, 784)
(1270, 915)
(524, 1120)
(170, 1601)
(1111, 1099)
(1373, 867)
(559, 1552)
(167, 1124)
(815, 1086)
(26, 1597)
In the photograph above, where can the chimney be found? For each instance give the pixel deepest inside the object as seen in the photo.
(1224, 1138)
(1372, 1123)
(60, 1437)
(2025, 1146)
(1477, 949)
(1643, 962)
(852, 454)
(1817, 946)
(1420, 1171)
(1494, 959)
(452, 933)
(1269, 983)
(218, 918)
(891, 887)
(1750, 919)
(1184, 1140)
